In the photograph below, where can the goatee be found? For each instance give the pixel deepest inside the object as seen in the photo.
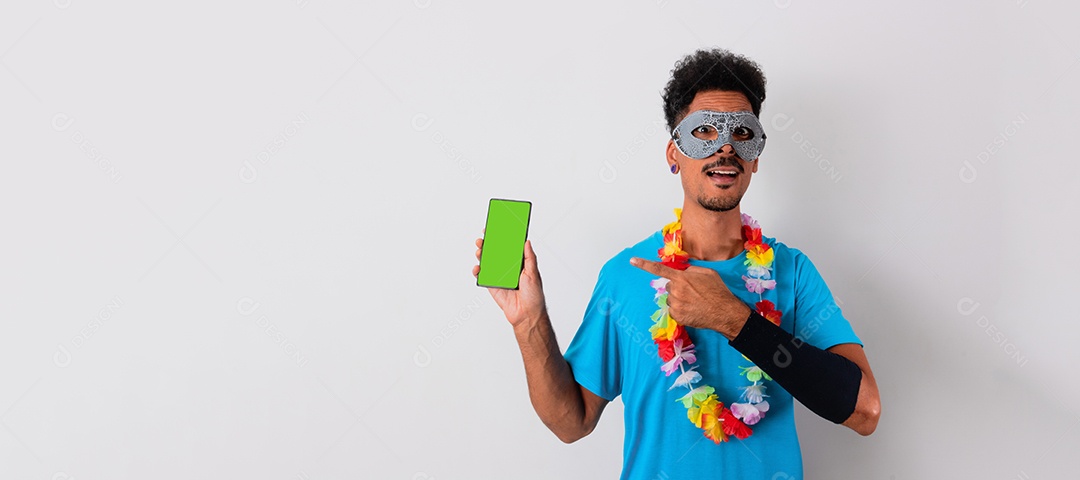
(719, 204)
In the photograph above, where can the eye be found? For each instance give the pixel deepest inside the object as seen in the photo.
(706, 132)
(741, 134)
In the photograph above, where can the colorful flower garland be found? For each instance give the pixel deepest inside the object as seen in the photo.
(677, 351)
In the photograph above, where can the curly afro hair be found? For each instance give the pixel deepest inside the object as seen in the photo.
(716, 69)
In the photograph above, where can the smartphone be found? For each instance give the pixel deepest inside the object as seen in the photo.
(503, 253)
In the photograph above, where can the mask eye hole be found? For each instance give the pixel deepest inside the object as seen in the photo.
(742, 134)
(706, 132)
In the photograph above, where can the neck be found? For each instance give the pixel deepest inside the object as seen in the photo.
(709, 235)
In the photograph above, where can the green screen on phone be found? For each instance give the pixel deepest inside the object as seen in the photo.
(504, 243)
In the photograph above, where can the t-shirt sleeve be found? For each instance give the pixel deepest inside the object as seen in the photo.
(593, 354)
(818, 319)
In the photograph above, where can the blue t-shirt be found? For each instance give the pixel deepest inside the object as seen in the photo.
(613, 354)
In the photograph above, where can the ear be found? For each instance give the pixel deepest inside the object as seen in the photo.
(671, 153)
(753, 169)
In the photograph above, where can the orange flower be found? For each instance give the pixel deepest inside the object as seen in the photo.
(670, 251)
(752, 236)
(713, 427)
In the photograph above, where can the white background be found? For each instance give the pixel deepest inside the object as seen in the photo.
(237, 236)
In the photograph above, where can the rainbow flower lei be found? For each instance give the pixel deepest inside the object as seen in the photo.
(677, 351)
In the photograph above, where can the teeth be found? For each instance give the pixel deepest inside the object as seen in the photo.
(719, 172)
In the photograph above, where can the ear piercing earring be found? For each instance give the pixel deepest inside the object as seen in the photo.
(675, 168)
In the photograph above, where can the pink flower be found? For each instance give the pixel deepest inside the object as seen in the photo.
(681, 354)
(749, 413)
(750, 222)
(757, 285)
(660, 285)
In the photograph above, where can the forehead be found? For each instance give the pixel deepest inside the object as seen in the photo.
(720, 101)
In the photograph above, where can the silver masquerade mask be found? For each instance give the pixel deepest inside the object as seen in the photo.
(703, 132)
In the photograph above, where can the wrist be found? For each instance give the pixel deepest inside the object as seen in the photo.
(736, 320)
(529, 322)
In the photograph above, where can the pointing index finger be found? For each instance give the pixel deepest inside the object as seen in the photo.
(655, 268)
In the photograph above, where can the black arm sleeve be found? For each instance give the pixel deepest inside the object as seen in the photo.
(826, 383)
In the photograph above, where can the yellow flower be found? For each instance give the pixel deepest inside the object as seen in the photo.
(671, 227)
(760, 255)
(701, 410)
(664, 328)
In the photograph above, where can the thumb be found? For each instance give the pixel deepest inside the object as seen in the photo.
(530, 257)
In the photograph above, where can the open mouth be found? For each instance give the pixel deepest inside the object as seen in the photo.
(722, 173)
(723, 176)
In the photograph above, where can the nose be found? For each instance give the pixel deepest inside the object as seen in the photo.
(726, 149)
(727, 156)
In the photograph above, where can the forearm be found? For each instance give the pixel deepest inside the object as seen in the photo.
(555, 395)
(829, 384)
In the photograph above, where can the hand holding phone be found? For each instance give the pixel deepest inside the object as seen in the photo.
(524, 301)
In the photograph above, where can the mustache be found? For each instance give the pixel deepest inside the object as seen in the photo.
(732, 161)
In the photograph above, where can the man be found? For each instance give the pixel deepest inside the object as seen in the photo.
(685, 340)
